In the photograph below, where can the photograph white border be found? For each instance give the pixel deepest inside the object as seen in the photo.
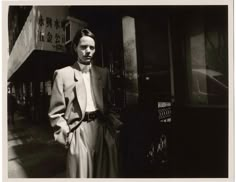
(5, 56)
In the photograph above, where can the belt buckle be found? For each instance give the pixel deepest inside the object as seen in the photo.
(89, 117)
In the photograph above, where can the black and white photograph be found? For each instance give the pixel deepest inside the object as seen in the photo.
(118, 91)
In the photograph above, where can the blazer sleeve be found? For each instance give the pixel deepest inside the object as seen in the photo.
(57, 110)
(112, 115)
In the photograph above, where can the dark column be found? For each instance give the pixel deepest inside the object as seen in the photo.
(36, 98)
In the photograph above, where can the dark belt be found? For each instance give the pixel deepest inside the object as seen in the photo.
(90, 116)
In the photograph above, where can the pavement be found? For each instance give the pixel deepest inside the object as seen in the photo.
(32, 151)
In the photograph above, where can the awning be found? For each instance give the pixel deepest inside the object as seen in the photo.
(43, 31)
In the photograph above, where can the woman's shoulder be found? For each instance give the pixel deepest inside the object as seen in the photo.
(66, 70)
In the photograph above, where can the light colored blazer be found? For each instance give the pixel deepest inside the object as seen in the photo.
(68, 99)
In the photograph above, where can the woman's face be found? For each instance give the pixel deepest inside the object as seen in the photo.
(85, 49)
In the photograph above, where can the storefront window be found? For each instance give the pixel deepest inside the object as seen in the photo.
(207, 60)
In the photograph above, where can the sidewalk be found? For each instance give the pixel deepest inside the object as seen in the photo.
(32, 152)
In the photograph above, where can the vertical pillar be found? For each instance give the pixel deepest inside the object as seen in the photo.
(130, 60)
(171, 64)
(196, 59)
(21, 92)
(36, 98)
(27, 96)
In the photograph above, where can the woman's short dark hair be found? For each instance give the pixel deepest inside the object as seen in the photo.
(81, 33)
(75, 42)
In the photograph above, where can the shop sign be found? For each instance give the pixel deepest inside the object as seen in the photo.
(50, 30)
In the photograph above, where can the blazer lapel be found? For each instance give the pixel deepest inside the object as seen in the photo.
(96, 83)
(80, 88)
